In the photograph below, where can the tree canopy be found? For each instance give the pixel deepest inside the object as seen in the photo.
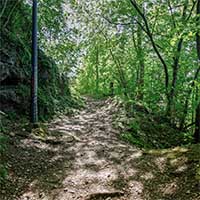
(118, 99)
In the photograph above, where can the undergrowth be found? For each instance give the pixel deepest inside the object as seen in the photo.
(147, 129)
(3, 145)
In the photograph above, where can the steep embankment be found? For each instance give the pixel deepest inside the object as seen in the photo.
(15, 65)
(83, 157)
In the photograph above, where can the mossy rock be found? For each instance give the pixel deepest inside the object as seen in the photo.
(40, 133)
(198, 173)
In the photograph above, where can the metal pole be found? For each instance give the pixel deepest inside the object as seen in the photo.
(34, 75)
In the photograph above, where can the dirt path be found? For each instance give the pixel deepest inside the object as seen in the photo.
(100, 167)
(84, 159)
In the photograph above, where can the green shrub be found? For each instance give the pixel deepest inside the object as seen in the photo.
(3, 171)
(3, 141)
(133, 140)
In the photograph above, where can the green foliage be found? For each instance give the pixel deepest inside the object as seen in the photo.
(54, 93)
(135, 141)
(3, 171)
(136, 55)
(149, 130)
(3, 141)
(134, 126)
(143, 52)
(198, 173)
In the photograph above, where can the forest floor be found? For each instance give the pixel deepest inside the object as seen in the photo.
(83, 158)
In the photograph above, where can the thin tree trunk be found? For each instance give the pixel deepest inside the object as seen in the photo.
(147, 30)
(198, 33)
(97, 70)
(140, 57)
(4, 7)
(185, 110)
(10, 14)
(197, 125)
(175, 68)
(121, 73)
(122, 80)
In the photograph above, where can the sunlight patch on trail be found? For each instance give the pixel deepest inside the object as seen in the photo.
(97, 165)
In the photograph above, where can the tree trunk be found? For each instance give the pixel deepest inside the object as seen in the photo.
(197, 125)
(111, 88)
(198, 33)
(140, 57)
(97, 71)
(175, 68)
(122, 79)
(185, 109)
(147, 30)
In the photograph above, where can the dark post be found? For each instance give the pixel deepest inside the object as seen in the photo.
(111, 88)
(34, 75)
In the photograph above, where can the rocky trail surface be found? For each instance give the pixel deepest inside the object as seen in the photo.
(83, 158)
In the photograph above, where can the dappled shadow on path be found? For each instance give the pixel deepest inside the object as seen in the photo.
(92, 163)
(32, 164)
